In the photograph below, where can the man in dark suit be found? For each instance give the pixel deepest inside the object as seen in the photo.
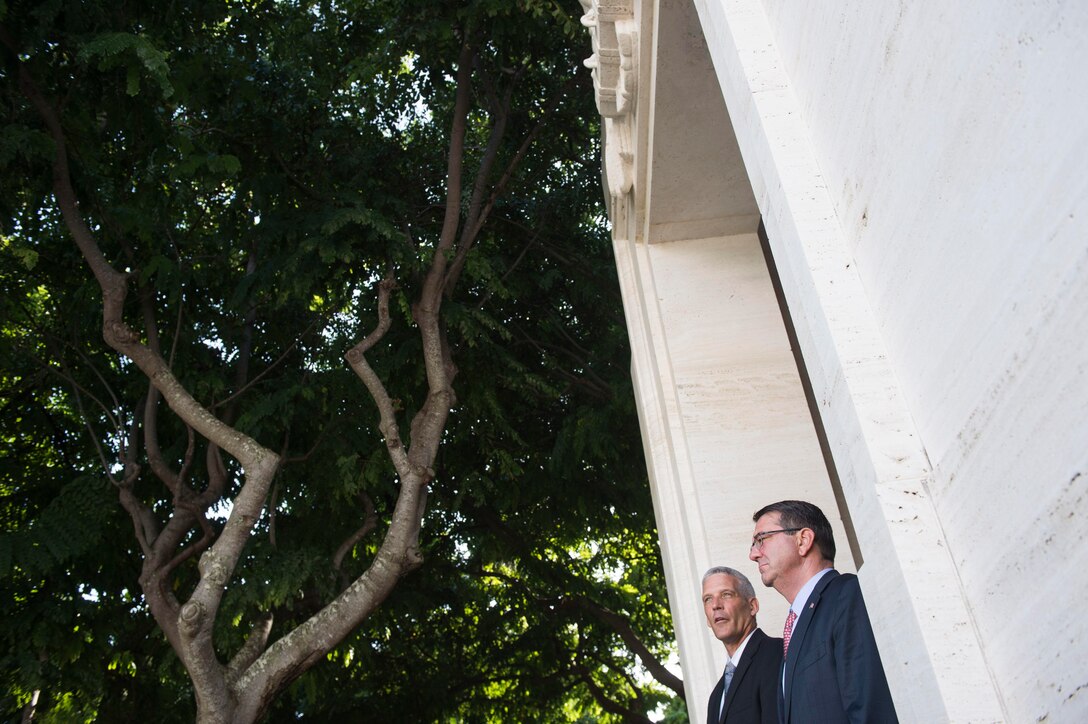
(832, 671)
(753, 659)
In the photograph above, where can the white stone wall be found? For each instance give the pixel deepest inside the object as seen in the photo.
(920, 169)
(725, 423)
(724, 419)
(921, 618)
(953, 139)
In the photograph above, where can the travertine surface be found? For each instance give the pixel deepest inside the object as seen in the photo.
(953, 139)
(920, 170)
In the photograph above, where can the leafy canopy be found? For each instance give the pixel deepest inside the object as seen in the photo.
(255, 170)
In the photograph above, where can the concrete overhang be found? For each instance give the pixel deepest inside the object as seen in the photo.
(693, 182)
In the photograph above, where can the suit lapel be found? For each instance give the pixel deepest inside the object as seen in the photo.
(745, 663)
(715, 702)
(797, 637)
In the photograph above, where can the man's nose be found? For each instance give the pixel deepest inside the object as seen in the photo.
(753, 553)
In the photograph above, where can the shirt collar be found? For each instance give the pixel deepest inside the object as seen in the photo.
(798, 605)
(735, 658)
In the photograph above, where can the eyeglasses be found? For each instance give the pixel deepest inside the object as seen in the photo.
(758, 538)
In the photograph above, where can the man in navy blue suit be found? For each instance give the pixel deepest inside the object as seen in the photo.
(832, 672)
(747, 693)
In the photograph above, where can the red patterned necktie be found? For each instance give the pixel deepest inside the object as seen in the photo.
(787, 632)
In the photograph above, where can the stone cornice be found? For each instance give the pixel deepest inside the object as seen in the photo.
(614, 65)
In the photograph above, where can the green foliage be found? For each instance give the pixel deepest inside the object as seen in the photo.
(28, 143)
(257, 167)
(135, 53)
(70, 526)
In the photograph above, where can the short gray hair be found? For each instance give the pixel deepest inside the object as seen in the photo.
(744, 586)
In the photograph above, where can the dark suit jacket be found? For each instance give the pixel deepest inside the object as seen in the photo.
(833, 670)
(753, 694)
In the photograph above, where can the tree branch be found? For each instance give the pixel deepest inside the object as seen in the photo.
(513, 265)
(399, 551)
(275, 363)
(370, 522)
(253, 647)
(607, 703)
(356, 358)
(500, 116)
(615, 621)
(432, 289)
(470, 235)
(192, 638)
(622, 626)
(151, 442)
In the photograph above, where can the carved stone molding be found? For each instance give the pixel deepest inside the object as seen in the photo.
(614, 65)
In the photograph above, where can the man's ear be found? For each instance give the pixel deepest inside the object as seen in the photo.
(754, 603)
(806, 539)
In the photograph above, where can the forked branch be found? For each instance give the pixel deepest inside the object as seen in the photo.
(356, 358)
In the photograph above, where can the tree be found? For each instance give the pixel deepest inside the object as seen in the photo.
(260, 190)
